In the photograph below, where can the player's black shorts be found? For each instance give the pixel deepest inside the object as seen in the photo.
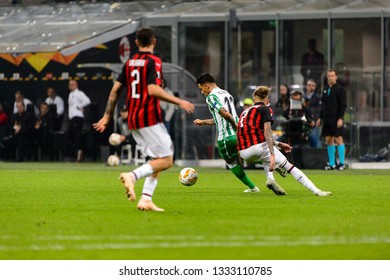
(329, 127)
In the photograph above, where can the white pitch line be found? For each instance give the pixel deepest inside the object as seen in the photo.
(305, 241)
(97, 237)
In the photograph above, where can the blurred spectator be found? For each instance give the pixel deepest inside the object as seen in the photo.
(3, 128)
(53, 99)
(312, 98)
(44, 126)
(299, 121)
(3, 116)
(284, 97)
(312, 64)
(77, 101)
(248, 102)
(28, 105)
(313, 102)
(21, 134)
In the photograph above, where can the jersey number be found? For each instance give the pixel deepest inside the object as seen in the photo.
(242, 118)
(227, 101)
(135, 81)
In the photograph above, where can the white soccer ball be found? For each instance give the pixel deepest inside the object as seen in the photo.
(113, 160)
(114, 139)
(188, 176)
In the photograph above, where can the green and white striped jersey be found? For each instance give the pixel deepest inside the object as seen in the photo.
(215, 100)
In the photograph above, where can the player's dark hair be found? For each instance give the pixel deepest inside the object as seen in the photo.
(205, 78)
(145, 36)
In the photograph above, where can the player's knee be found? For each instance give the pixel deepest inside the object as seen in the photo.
(168, 162)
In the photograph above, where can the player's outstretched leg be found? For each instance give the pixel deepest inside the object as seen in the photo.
(303, 180)
(239, 172)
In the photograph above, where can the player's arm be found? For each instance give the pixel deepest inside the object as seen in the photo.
(101, 125)
(227, 116)
(84, 100)
(270, 143)
(342, 107)
(199, 122)
(161, 94)
(283, 146)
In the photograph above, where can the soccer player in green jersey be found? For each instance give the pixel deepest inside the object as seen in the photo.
(221, 106)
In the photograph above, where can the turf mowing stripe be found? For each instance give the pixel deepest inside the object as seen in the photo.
(307, 241)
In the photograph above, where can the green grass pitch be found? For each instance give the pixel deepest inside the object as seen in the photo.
(79, 211)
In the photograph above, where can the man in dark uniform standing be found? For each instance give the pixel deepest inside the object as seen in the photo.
(332, 119)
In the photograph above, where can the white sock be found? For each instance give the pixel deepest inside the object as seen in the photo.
(302, 178)
(269, 175)
(143, 171)
(149, 187)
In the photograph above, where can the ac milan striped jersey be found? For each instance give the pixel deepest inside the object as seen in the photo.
(250, 127)
(217, 99)
(141, 70)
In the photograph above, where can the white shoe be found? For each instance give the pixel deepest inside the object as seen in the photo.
(128, 181)
(323, 193)
(148, 205)
(254, 190)
(273, 186)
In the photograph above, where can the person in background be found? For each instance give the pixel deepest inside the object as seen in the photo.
(44, 126)
(313, 102)
(77, 101)
(19, 96)
(3, 117)
(247, 103)
(284, 97)
(3, 128)
(299, 121)
(54, 99)
(21, 135)
(332, 120)
(312, 63)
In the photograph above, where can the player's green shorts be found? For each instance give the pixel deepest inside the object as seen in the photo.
(228, 148)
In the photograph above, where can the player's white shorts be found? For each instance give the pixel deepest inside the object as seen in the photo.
(260, 152)
(155, 140)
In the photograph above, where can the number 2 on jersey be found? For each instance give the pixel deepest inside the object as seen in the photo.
(135, 81)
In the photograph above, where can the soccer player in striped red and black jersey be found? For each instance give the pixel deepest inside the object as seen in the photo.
(142, 74)
(253, 131)
(255, 141)
(141, 70)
